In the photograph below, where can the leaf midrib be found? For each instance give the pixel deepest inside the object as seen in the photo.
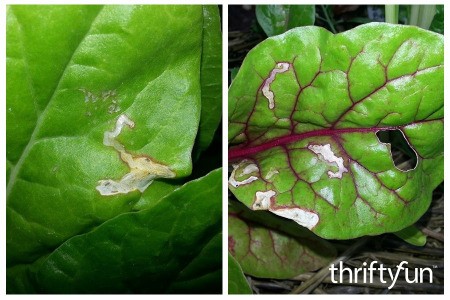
(40, 119)
(247, 151)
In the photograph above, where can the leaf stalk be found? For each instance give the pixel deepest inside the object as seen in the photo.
(391, 14)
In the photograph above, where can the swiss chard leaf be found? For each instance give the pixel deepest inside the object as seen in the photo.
(61, 157)
(203, 275)
(268, 247)
(211, 78)
(101, 102)
(304, 111)
(437, 25)
(277, 19)
(117, 256)
(412, 235)
(237, 284)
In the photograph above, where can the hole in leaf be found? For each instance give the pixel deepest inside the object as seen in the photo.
(402, 154)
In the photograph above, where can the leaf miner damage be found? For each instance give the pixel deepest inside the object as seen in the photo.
(265, 201)
(250, 168)
(326, 154)
(143, 170)
(279, 68)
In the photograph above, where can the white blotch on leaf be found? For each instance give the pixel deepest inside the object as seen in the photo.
(326, 154)
(271, 173)
(262, 201)
(279, 68)
(285, 120)
(327, 194)
(303, 217)
(101, 100)
(113, 108)
(248, 169)
(142, 169)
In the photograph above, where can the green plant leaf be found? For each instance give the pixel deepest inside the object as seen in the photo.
(277, 19)
(233, 73)
(203, 275)
(270, 247)
(103, 110)
(237, 284)
(304, 111)
(61, 156)
(211, 78)
(117, 256)
(412, 235)
(437, 25)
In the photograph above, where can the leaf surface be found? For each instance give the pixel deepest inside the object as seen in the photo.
(211, 77)
(118, 257)
(277, 19)
(268, 247)
(72, 72)
(304, 111)
(412, 235)
(437, 25)
(237, 284)
(203, 275)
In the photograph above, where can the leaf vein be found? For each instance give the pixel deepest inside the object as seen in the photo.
(40, 119)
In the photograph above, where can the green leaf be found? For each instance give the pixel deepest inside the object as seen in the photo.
(118, 257)
(233, 73)
(304, 111)
(78, 79)
(211, 78)
(237, 284)
(156, 193)
(204, 274)
(412, 235)
(277, 19)
(437, 25)
(61, 157)
(270, 247)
